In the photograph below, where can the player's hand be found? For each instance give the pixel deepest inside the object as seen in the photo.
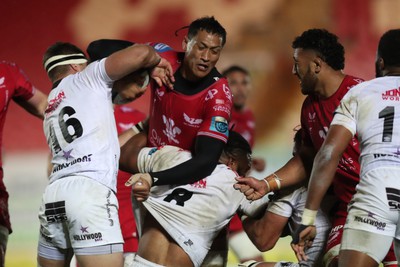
(251, 187)
(141, 184)
(163, 74)
(303, 239)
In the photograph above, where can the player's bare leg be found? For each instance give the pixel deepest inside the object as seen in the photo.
(352, 258)
(43, 262)
(105, 260)
(167, 252)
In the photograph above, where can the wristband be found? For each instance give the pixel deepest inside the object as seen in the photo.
(273, 182)
(308, 217)
(138, 128)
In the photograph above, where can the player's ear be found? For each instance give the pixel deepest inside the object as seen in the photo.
(380, 63)
(318, 64)
(185, 42)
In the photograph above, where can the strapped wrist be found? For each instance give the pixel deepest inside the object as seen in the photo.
(308, 217)
(138, 128)
(273, 182)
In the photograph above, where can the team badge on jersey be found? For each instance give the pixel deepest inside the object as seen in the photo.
(219, 124)
(159, 47)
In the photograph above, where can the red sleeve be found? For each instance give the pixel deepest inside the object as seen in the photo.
(217, 110)
(23, 88)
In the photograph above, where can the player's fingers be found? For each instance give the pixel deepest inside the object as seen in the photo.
(133, 179)
(249, 192)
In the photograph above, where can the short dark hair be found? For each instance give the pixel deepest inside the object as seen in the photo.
(235, 68)
(60, 48)
(389, 48)
(104, 47)
(238, 148)
(325, 44)
(208, 24)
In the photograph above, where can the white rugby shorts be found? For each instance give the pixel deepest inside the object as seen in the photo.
(79, 212)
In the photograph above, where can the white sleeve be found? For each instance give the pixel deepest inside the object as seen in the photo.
(95, 73)
(285, 205)
(254, 208)
(345, 114)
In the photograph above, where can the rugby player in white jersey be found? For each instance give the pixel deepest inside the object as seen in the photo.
(372, 110)
(182, 220)
(79, 208)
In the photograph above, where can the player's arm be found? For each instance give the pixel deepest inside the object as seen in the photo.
(295, 171)
(35, 105)
(205, 159)
(325, 165)
(265, 232)
(135, 57)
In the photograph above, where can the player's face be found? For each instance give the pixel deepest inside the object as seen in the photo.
(202, 53)
(240, 85)
(303, 69)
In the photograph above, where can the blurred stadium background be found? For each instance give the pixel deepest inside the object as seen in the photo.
(260, 33)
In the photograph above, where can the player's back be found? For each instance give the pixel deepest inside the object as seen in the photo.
(375, 106)
(80, 127)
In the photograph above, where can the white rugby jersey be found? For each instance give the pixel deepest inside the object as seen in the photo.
(194, 214)
(292, 206)
(80, 127)
(372, 109)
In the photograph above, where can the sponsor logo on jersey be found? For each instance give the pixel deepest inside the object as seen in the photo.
(2, 80)
(193, 122)
(371, 221)
(219, 101)
(322, 133)
(62, 166)
(67, 154)
(45, 236)
(386, 155)
(155, 139)
(160, 93)
(219, 124)
(211, 93)
(392, 95)
(89, 236)
(200, 184)
(188, 242)
(171, 131)
(55, 212)
(227, 92)
(110, 206)
(54, 103)
(222, 108)
(393, 197)
(311, 116)
(159, 47)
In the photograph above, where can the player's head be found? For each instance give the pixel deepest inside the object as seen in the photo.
(314, 50)
(127, 88)
(237, 154)
(202, 45)
(61, 58)
(388, 54)
(240, 85)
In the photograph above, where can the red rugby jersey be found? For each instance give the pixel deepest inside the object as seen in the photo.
(316, 116)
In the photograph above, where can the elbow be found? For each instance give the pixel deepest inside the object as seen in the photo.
(265, 244)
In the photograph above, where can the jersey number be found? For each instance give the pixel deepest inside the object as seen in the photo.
(388, 119)
(71, 128)
(180, 195)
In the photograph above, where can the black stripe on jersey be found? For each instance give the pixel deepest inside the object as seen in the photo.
(186, 87)
(390, 190)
